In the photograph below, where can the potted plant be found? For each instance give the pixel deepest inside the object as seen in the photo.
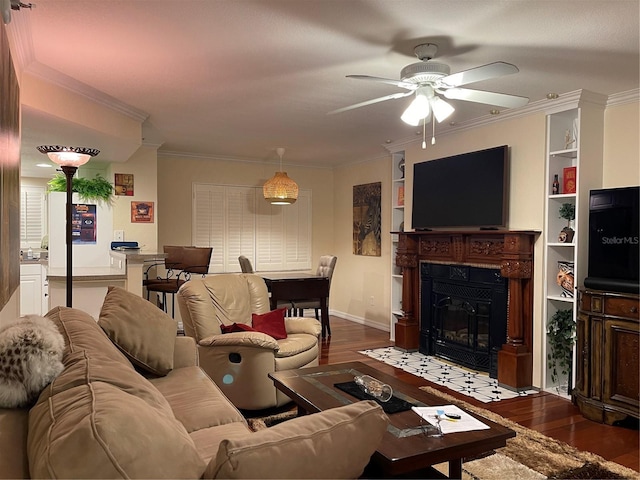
(568, 212)
(95, 189)
(561, 331)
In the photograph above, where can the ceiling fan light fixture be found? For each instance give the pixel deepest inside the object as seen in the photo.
(419, 108)
(441, 109)
(280, 189)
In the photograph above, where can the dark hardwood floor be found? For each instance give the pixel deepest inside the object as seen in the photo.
(546, 413)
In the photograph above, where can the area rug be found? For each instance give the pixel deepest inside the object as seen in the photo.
(541, 456)
(468, 382)
(530, 455)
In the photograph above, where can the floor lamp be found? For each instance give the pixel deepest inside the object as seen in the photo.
(69, 159)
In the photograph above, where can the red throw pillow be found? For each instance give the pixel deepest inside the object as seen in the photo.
(236, 327)
(271, 323)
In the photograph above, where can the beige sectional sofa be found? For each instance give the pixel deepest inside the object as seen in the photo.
(127, 407)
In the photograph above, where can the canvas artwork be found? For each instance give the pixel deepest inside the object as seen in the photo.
(9, 174)
(367, 219)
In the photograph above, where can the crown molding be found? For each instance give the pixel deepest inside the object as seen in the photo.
(622, 98)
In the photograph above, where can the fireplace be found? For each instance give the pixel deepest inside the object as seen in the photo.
(505, 251)
(463, 312)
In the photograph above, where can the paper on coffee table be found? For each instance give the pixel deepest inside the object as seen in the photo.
(466, 422)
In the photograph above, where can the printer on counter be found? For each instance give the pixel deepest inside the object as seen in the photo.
(125, 246)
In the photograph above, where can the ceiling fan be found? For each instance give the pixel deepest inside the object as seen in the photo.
(428, 79)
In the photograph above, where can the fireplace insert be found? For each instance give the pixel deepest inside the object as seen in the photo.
(463, 314)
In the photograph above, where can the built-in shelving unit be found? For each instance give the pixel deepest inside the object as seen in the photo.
(574, 140)
(397, 222)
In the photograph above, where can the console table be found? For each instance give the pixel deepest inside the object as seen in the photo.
(511, 251)
(608, 342)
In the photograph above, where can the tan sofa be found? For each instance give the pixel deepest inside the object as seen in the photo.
(240, 362)
(107, 415)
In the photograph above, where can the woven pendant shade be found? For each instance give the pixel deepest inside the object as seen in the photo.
(280, 189)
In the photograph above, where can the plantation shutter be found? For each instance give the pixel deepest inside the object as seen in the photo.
(32, 216)
(236, 220)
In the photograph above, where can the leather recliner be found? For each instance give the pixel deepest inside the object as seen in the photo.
(239, 362)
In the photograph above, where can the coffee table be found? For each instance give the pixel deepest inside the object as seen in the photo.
(405, 448)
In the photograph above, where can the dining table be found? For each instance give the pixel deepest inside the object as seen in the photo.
(292, 286)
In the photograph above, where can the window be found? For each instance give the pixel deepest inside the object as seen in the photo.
(236, 220)
(33, 224)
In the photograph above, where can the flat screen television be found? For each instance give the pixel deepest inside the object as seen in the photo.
(470, 190)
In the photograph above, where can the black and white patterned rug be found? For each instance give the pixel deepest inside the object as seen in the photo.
(468, 382)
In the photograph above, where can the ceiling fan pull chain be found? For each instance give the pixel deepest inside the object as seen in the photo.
(424, 135)
(433, 137)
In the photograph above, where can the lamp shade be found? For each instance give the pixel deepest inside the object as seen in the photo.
(280, 190)
(68, 156)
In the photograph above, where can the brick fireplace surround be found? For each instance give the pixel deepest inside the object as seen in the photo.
(511, 251)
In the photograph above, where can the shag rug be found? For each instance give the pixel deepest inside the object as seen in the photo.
(530, 455)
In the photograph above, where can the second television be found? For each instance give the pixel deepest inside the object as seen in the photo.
(470, 190)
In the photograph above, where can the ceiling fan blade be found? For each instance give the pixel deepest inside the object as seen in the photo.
(371, 102)
(490, 98)
(397, 83)
(485, 72)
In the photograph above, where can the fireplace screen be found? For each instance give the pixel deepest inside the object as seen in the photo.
(463, 314)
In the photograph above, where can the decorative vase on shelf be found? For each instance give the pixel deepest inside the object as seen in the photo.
(565, 279)
(401, 168)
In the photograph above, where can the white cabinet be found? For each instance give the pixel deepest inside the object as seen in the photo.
(34, 290)
(574, 148)
(397, 224)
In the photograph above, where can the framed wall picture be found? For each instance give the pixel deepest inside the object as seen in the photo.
(124, 184)
(367, 219)
(142, 212)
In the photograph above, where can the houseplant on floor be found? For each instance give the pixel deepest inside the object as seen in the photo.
(561, 330)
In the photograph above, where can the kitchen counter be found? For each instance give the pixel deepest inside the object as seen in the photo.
(134, 263)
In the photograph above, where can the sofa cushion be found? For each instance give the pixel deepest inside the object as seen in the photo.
(97, 430)
(196, 401)
(271, 323)
(81, 332)
(144, 333)
(311, 446)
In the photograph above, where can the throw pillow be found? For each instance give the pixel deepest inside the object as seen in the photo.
(271, 323)
(30, 358)
(335, 443)
(143, 332)
(236, 327)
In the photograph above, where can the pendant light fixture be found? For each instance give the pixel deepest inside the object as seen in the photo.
(280, 189)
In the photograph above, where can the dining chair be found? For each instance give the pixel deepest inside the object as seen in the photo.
(245, 264)
(326, 266)
(179, 263)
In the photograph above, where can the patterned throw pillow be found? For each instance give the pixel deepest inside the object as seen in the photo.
(30, 358)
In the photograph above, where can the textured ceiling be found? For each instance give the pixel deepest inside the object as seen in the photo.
(238, 78)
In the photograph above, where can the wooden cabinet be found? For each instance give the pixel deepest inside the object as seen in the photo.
(607, 351)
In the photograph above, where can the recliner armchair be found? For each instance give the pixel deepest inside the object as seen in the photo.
(239, 362)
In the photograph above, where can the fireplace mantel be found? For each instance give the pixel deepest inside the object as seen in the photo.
(511, 251)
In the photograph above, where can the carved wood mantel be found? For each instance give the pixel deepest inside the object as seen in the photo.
(511, 251)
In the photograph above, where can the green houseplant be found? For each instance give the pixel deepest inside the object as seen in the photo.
(561, 330)
(89, 189)
(568, 212)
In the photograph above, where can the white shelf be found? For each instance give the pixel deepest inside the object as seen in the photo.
(580, 125)
(397, 219)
